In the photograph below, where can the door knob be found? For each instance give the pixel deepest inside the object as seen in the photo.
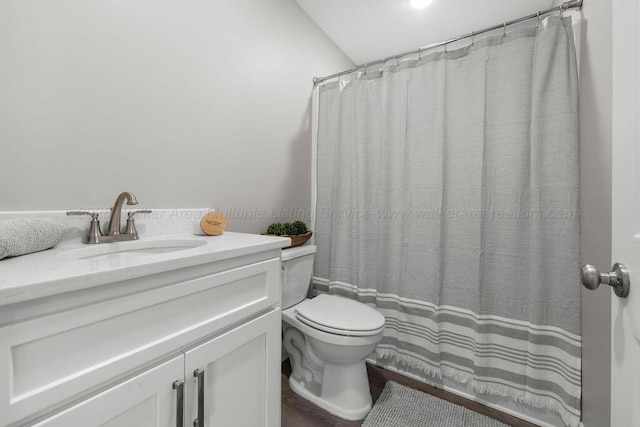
(617, 278)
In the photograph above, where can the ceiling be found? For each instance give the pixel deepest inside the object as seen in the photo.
(367, 30)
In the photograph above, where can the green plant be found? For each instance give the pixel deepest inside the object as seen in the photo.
(288, 229)
(299, 227)
(277, 229)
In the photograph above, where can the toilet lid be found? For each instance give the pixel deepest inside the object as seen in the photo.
(339, 315)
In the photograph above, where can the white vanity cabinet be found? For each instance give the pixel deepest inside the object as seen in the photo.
(110, 355)
(237, 384)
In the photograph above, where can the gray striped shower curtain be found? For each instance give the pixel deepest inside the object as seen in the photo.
(447, 198)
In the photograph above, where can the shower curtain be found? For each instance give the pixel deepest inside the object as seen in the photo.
(447, 198)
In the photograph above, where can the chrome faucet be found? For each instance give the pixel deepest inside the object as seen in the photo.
(114, 233)
(115, 226)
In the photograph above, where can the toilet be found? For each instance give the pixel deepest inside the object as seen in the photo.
(328, 339)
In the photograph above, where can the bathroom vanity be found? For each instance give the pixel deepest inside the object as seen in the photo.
(167, 331)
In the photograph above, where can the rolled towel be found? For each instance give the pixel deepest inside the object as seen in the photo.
(21, 236)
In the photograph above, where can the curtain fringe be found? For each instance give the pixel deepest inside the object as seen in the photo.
(415, 366)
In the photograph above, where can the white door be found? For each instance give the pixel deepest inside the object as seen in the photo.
(625, 347)
(233, 380)
(146, 400)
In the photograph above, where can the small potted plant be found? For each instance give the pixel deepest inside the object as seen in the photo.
(296, 231)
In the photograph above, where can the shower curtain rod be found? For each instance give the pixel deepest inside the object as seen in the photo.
(572, 4)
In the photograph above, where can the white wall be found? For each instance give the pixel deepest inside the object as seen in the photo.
(595, 181)
(192, 103)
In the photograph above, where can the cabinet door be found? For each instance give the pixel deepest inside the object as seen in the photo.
(239, 377)
(147, 400)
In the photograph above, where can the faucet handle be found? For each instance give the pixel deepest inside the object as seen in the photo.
(131, 226)
(94, 227)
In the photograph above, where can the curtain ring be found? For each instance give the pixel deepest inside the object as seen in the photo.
(538, 26)
(397, 61)
(419, 54)
(562, 9)
(365, 70)
(472, 40)
(504, 30)
(445, 48)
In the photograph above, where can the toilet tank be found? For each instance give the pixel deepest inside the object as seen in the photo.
(297, 267)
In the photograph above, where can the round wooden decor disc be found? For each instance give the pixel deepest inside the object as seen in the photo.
(213, 223)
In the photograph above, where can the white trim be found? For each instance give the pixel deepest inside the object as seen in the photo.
(625, 151)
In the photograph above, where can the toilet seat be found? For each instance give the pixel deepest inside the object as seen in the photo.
(340, 316)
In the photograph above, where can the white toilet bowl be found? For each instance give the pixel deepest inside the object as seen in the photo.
(328, 339)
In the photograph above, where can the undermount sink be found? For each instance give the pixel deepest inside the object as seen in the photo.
(134, 248)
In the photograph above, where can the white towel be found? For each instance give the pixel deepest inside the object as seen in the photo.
(23, 236)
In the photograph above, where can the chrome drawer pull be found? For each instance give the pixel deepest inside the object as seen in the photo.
(199, 374)
(178, 386)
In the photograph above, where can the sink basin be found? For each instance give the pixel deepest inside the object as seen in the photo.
(132, 248)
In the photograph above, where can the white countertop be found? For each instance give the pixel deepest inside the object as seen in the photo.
(51, 272)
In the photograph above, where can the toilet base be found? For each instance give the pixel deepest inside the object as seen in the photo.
(329, 369)
(312, 392)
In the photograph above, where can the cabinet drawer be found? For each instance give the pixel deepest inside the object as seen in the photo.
(50, 361)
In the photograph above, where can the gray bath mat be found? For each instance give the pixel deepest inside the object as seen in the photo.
(400, 406)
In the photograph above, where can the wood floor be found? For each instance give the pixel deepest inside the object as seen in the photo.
(298, 412)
